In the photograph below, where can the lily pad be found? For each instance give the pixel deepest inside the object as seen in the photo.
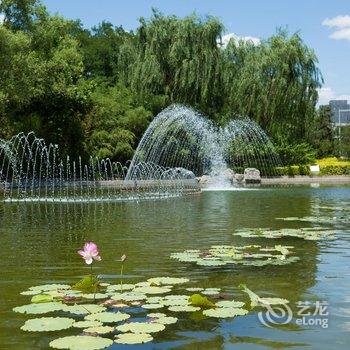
(186, 308)
(133, 338)
(152, 306)
(175, 302)
(166, 320)
(225, 312)
(160, 281)
(41, 298)
(141, 327)
(83, 309)
(79, 342)
(94, 296)
(194, 289)
(53, 286)
(41, 308)
(107, 317)
(86, 324)
(119, 288)
(30, 292)
(156, 314)
(47, 324)
(99, 329)
(151, 290)
(229, 303)
(210, 292)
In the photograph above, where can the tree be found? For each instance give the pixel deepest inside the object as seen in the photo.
(21, 14)
(321, 134)
(114, 123)
(274, 83)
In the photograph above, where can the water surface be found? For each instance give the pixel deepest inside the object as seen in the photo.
(39, 243)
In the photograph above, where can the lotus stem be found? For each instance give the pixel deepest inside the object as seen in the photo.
(121, 278)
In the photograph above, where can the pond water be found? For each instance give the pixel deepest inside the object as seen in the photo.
(39, 244)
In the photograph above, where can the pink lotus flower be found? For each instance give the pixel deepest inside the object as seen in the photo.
(89, 252)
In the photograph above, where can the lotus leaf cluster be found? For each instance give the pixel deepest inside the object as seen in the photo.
(251, 255)
(308, 233)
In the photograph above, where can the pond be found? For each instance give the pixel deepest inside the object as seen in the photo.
(39, 242)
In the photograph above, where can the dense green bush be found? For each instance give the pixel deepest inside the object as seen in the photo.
(335, 170)
(294, 170)
(301, 153)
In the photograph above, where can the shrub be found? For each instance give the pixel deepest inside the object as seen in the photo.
(301, 153)
(335, 170)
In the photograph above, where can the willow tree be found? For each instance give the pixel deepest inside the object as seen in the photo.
(179, 58)
(275, 83)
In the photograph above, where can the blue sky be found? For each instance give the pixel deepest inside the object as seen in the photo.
(323, 24)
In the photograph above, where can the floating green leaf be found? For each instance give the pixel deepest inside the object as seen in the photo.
(199, 300)
(47, 324)
(79, 342)
(53, 286)
(41, 298)
(99, 329)
(160, 281)
(141, 327)
(42, 308)
(165, 320)
(308, 233)
(86, 324)
(229, 303)
(151, 290)
(156, 314)
(30, 292)
(107, 317)
(152, 306)
(94, 296)
(225, 312)
(83, 309)
(195, 289)
(186, 308)
(133, 338)
(88, 284)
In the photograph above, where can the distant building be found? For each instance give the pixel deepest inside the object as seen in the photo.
(340, 110)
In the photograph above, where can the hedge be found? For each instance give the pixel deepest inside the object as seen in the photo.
(294, 170)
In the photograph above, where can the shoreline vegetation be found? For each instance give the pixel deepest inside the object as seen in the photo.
(95, 91)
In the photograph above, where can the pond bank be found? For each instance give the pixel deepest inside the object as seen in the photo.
(305, 179)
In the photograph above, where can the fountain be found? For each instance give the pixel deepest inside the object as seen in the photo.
(180, 136)
(178, 145)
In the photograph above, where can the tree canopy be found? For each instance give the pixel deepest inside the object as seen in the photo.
(95, 91)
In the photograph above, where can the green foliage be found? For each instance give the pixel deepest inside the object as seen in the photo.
(94, 92)
(321, 133)
(201, 301)
(343, 144)
(301, 153)
(335, 170)
(88, 284)
(41, 298)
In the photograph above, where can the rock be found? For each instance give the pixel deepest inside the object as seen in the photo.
(205, 179)
(229, 174)
(252, 176)
(239, 177)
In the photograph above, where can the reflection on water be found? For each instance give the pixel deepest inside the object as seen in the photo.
(39, 243)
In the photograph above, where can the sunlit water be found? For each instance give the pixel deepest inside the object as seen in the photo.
(39, 243)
